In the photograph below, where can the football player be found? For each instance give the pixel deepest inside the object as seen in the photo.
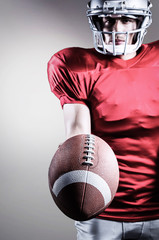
(112, 91)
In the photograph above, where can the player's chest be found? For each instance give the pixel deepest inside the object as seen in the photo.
(126, 94)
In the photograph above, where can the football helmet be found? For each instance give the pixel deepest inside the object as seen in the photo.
(136, 9)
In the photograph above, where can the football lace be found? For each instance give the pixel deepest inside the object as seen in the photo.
(89, 150)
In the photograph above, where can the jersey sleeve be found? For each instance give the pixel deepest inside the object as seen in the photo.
(67, 85)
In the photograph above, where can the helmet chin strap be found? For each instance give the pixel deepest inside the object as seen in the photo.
(122, 49)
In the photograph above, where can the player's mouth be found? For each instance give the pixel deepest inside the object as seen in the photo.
(119, 41)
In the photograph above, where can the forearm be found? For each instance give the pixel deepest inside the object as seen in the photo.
(77, 120)
(75, 130)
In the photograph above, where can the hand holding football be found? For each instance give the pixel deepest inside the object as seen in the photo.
(83, 176)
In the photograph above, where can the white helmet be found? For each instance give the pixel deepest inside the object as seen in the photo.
(130, 8)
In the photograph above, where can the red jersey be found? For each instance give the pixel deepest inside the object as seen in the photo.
(123, 97)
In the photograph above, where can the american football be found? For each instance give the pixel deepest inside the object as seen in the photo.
(83, 176)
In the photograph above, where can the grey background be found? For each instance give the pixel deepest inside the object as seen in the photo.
(31, 122)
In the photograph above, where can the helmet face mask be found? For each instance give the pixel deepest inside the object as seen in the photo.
(132, 9)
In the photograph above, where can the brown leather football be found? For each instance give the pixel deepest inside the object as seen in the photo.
(83, 176)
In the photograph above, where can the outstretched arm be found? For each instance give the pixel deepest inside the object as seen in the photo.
(77, 119)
